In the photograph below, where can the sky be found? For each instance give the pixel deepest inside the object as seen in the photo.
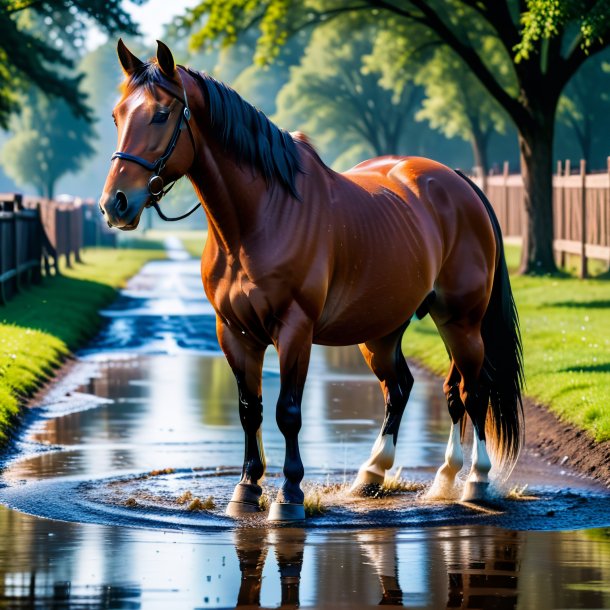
(152, 17)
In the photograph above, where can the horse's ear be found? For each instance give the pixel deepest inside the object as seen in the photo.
(165, 59)
(129, 62)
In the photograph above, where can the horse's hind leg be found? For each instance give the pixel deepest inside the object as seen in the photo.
(385, 359)
(444, 480)
(465, 344)
(246, 361)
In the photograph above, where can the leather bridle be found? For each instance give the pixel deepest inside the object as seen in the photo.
(156, 183)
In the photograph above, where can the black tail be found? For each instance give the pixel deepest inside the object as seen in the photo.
(503, 366)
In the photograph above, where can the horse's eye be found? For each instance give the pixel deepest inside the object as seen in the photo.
(160, 116)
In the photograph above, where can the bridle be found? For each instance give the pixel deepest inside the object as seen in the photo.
(156, 184)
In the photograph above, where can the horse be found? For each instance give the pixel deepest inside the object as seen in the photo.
(298, 254)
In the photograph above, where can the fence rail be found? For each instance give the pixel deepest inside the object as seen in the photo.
(581, 211)
(35, 232)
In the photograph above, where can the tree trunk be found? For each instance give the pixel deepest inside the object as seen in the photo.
(536, 147)
(479, 151)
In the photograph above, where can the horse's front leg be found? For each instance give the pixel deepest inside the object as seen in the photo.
(294, 347)
(246, 361)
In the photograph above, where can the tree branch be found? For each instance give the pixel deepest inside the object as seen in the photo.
(470, 57)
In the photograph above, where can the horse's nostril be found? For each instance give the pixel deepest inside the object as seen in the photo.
(121, 201)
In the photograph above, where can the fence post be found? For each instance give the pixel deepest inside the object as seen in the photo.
(583, 214)
(16, 248)
(607, 224)
(505, 197)
(558, 196)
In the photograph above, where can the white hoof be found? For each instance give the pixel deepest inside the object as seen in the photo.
(475, 491)
(286, 511)
(365, 480)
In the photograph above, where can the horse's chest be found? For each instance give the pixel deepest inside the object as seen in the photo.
(240, 302)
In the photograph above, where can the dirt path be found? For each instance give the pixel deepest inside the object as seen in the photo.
(564, 444)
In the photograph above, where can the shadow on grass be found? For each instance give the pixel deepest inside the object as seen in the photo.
(602, 367)
(599, 304)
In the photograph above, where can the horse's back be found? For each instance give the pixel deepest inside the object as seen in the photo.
(428, 230)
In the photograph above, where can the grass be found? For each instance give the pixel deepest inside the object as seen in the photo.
(565, 328)
(193, 241)
(42, 325)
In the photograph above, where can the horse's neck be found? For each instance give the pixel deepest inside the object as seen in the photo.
(231, 196)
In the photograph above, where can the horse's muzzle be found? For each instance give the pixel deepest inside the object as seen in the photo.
(121, 211)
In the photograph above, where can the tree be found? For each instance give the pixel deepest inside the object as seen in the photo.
(583, 108)
(545, 42)
(334, 96)
(455, 103)
(48, 142)
(39, 43)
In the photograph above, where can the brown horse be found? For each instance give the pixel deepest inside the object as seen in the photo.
(299, 254)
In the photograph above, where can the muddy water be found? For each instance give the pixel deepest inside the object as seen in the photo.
(86, 525)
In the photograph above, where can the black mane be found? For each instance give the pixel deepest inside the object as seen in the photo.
(242, 129)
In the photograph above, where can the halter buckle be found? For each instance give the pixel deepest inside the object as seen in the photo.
(155, 185)
(187, 113)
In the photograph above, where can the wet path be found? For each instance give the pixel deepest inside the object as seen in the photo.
(153, 393)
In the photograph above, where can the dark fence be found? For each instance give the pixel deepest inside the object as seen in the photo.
(20, 246)
(581, 211)
(35, 232)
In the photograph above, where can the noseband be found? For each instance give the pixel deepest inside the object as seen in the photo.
(156, 183)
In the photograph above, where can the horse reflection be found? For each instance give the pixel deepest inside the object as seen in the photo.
(380, 549)
(252, 546)
(481, 570)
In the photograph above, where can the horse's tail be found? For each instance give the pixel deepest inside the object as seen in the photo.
(503, 366)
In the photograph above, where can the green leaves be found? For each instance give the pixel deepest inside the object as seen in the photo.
(48, 141)
(39, 43)
(587, 20)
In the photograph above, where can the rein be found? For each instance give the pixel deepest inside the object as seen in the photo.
(156, 184)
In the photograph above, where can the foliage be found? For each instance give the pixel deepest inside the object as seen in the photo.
(333, 94)
(545, 43)
(455, 102)
(38, 44)
(39, 328)
(48, 141)
(583, 109)
(566, 342)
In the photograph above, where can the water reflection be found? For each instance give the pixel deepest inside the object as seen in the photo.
(50, 564)
(180, 411)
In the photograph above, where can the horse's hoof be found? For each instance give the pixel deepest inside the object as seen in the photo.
(475, 491)
(286, 511)
(367, 483)
(236, 508)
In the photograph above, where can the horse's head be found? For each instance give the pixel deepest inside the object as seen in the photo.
(153, 150)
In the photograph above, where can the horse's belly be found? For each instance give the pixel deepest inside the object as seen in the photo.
(362, 319)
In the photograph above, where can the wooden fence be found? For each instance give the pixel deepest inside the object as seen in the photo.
(36, 232)
(581, 211)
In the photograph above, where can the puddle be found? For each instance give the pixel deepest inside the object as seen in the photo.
(153, 393)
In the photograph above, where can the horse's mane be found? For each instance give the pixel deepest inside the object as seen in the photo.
(243, 129)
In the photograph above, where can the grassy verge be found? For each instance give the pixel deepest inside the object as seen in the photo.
(40, 326)
(566, 340)
(193, 241)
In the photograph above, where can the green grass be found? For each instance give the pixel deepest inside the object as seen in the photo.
(40, 326)
(193, 241)
(565, 325)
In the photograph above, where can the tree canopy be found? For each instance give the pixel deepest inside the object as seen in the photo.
(48, 141)
(39, 43)
(332, 93)
(544, 43)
